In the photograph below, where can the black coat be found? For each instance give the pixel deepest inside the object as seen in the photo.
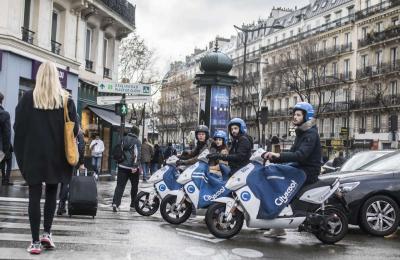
(239, 153)
(132, 150)
(5, 131)
(306, 151)
(39, 142)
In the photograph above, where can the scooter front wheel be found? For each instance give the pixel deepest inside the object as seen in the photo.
(170, 212)
(144, 206)
(335, 227)
(217, 224)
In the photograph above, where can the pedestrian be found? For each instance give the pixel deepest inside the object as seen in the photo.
(169, 151)
(339, 160)
(306, 151)
(157, 159)
(39, 148)
(5, 144)
(203, 142)
(240, 151)
(97, 149)
(128, 169)
(64, 188)
(147, 154)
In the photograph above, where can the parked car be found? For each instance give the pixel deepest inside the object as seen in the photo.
(374, 196)
(355, 162)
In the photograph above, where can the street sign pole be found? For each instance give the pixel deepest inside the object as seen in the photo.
(122, 127)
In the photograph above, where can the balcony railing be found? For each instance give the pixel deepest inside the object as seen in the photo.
(361, 131)
(376, 130)
(122, 7)
(89, 65)
(280, 112)
(27, 35)
(106, 73)
(376, 37)
(376, 9)
(375, 70)
(55, 47)
(373, 102)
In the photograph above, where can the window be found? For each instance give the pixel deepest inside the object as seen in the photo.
(347, 69)
(393, 88)
(379, 27)
(286, 103)
(378, 58)
(350, 10)
(324, 45)
(105, 51)
(363, 123)
(27, 14)
(393, 56)
(347, 39)
(335, 42)
(363, 94)
(88, 46)
(323, 4)
(338, 15)
(327, 19)
(395, 21)
(367, 3)
(376, 122)
(54, 25)
(334, 69)
(364, 61)
(321, 125)
(294, 100)
(364, 32)
(333, 97)
(332, 124)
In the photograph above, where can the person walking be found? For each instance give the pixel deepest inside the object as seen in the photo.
(147, 154)
(64, 188)
(169, 151)
(39, 148)
(97, 149)
(157, 159)
(5, 144)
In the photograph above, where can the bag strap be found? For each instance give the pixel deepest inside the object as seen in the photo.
(66, 115)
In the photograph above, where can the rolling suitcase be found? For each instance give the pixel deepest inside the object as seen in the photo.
(82, 195)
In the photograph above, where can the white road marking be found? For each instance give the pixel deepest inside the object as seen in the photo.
(246, 252)
(198, 235)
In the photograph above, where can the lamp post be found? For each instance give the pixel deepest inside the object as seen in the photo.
(246, 30)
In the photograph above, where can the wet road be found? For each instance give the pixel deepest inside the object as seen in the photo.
(127, 235)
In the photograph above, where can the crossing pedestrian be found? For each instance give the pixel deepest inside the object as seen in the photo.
(147, 154)
(39, 148)
(97, 149)
(5, 144)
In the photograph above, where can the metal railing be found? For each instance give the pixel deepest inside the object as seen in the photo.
(374, 102)
(89, 65)
(376, 37)
(375, 70)
(376, 9)
(122, 7)
(55, 47)
(27, 35)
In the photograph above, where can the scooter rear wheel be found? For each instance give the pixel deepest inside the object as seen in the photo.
(171, 214)
(336, 226)
(218, 226)
(145, 207)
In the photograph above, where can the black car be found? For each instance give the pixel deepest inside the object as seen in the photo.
(373, 194)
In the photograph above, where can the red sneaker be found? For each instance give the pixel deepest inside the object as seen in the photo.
(47, 242)
(35, 248)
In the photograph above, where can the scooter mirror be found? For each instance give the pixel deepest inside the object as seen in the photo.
(203, 156)
(257, 156)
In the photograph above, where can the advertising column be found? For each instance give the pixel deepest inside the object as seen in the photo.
(219, 108)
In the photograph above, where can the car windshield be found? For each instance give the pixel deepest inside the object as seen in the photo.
(360, 159)
(390, 163)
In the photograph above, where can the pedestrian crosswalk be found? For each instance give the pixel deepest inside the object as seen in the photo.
(108, 234)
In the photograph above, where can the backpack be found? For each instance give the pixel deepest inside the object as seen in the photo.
(118, 153)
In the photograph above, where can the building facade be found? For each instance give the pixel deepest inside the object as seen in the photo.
(80, 37)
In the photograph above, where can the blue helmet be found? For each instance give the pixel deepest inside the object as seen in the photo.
(240, 123)
(307, 108)
(221, 134)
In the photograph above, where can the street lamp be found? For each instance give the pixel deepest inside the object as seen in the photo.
(246, 31)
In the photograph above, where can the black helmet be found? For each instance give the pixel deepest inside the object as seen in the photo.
(204, 129)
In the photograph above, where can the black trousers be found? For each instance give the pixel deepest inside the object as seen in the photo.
(123, 176)
(64, 190)
(5, 166)
(35, 193)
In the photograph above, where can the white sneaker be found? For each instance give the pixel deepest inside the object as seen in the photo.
(47, 241)
(96, 177)
(275, 232)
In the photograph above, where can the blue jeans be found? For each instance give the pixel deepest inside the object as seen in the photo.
(154, 167)
(145, 169)
(96, 163)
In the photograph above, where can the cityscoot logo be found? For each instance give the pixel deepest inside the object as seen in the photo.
(285, 197)
(215, 195)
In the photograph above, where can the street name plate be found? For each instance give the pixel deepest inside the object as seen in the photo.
(124, 88)
(111, 100)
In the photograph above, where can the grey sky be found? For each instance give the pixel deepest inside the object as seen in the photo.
(173, 28)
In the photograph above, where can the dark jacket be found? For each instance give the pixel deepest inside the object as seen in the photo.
(147, 152)
(306, 151)
(81, 147)
(239, 153)
(132, 150)
(5, 128)
(157, 156)
(169, 152)
(338, 161)
(39, 142)
(193, 154)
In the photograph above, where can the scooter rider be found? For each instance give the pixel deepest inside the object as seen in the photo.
(203, 142)
(305, 152)
(240, 151)
(218, 146)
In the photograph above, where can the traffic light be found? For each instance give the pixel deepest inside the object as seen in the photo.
(121, 109)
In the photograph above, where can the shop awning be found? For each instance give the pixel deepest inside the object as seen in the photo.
(108, 116)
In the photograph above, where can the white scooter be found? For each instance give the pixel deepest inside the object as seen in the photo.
(318, 208)
(163, 183)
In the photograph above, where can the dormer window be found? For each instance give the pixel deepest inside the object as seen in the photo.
(323, 4)
(315, 7)
(333, 1)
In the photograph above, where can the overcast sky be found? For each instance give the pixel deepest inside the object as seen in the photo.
(173, 28)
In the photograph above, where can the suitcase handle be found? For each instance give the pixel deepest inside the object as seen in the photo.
(79, 171)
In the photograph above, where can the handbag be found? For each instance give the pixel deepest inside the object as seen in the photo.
(70, 144)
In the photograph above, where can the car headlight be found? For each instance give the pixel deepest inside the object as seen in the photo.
(347, 187)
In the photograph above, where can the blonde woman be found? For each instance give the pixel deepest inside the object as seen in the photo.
(39, 149)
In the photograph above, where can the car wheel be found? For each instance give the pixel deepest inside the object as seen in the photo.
(380, 216)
